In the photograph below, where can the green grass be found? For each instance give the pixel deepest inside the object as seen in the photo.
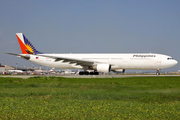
(90, 98)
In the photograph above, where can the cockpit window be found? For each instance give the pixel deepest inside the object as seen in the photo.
(169, 58)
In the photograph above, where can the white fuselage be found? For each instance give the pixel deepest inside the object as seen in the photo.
(117, 61)
(15, 71)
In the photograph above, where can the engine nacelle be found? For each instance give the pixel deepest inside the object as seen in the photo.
(102, 68)
(119, 70)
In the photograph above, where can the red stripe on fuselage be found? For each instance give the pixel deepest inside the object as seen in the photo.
(22, 46)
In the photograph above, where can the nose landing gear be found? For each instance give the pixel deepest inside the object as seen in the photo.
(158, 72)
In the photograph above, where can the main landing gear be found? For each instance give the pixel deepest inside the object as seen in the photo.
(158, 72)
(88, 73)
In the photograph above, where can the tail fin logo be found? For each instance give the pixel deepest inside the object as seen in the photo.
(26, 46)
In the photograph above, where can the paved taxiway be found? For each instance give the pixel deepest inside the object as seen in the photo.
(83, 76)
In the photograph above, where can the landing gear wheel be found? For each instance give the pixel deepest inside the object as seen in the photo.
(86, 73)
(96, 73)
(91, 73)
(158, 72)
(81, 73)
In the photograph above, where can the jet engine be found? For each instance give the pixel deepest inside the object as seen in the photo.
(102, 68)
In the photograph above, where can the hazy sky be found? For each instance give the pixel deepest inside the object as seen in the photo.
(90, 26)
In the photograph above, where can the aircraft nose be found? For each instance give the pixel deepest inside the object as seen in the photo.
(169, 63)
(175, 62)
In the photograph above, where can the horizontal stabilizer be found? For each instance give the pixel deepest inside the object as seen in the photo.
(27, 57)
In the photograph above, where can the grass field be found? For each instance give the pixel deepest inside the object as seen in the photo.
(90, 98)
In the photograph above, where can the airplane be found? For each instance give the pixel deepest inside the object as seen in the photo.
(44, 71)
(15, 71)
(98, 62)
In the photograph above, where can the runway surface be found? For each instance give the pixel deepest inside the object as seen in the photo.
(83, 76)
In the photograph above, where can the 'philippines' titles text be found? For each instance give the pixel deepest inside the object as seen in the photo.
(144, 56)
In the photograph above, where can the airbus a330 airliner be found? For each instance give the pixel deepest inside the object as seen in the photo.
(97, 62)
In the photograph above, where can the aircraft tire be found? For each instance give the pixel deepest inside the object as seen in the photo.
(86, 73)
(96, 73)
(81, 73)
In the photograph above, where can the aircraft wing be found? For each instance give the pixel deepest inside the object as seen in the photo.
(70, 60)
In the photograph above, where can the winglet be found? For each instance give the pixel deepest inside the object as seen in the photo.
(25, 45)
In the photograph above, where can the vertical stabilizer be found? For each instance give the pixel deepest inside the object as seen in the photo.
(25, 45)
